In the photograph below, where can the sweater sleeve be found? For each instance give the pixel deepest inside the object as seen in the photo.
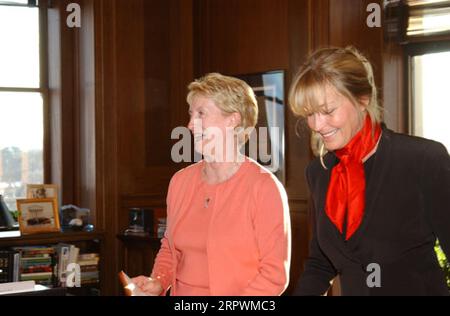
(162, 268)
(273, 236)
(319, 271)
(436, 188)
(163, 265)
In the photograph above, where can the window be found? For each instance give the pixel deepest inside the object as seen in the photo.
(22, 98)
(411, 21)
(429, 17)
(423, 27)
(430, 106)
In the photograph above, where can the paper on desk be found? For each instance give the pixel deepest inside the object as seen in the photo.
(20, 287)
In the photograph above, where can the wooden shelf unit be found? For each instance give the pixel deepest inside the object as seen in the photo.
(86, 241)
(50, 238)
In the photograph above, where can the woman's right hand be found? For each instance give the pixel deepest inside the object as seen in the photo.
(149, 286)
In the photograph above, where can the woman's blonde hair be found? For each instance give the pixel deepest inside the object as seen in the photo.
(345, 69)
(229, 94)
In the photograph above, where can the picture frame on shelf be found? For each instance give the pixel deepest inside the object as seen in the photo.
(38, 215)
(42, 191)
(270, 128)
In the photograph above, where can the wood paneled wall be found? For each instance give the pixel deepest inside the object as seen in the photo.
(145, 54)
(143, 65)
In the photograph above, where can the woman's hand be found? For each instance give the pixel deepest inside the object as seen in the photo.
(148, 286)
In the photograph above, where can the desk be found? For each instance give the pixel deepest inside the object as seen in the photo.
(30, 288)
(57, 291)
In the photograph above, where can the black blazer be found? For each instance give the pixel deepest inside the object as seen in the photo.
(407, 208)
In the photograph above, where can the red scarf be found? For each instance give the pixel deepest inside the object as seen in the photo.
(346, 191)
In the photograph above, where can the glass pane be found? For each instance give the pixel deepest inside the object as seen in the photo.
(431, 107)
(413, 3)
(21, 143)
(13, 1)
(429, 21)
(19, 53)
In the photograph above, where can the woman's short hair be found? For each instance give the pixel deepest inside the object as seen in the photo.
(229, 94)
(345, 69)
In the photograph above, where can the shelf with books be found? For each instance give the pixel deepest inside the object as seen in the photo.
(58, 250)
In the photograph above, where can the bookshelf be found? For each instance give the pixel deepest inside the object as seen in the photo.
(86, 241)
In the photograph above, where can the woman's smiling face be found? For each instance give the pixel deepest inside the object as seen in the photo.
(208, 123)
(338, 119)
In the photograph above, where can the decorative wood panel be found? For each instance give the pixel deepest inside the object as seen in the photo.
(298, 153)
(241, 37)
(106, 135)
(348, 26)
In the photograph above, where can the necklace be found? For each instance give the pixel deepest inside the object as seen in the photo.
(232, 171)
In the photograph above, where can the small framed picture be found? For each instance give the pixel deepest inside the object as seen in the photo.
(38, 215)
(42, 191)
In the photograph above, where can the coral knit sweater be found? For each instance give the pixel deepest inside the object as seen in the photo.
(243, 247)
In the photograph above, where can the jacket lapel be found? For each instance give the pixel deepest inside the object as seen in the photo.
(375, 184)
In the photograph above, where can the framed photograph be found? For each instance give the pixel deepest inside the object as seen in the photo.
(42, 191)
(38, 215)
(269, 131)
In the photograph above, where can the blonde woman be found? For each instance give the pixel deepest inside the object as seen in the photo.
(228, 218)
(380, 199)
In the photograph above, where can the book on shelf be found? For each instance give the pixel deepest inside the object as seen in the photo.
(88, 263)
(9, 266)
(4, 266)
(47, 264)
(66, 254)
(37, 264)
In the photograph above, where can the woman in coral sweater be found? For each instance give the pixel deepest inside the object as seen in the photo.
(228, 218)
